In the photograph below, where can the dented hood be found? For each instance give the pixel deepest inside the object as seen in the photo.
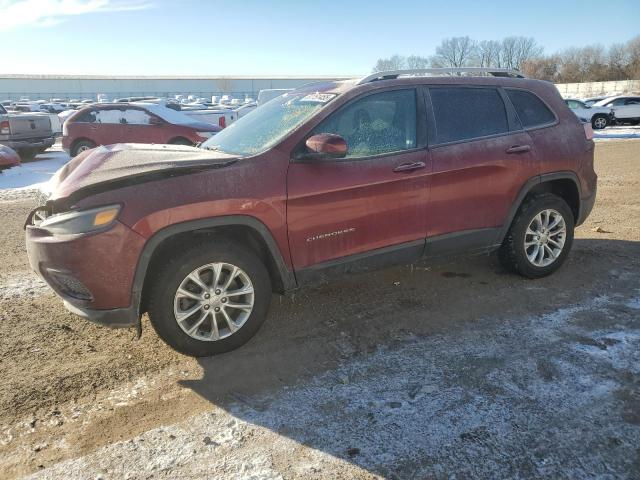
(113, 166)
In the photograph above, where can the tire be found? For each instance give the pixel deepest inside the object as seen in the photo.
(82, 146)
(598, 122)
(27, 154)
(166, 303)
(180, 141)
(515, 255)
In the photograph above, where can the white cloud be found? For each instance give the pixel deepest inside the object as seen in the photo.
(44, 13)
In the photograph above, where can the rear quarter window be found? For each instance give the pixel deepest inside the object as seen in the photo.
(465, 113)
(530, 109)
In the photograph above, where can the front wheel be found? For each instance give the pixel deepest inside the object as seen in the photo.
(210, 299)
(598, 122)
(540, 237)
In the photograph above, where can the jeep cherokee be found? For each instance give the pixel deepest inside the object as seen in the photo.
(330, 178)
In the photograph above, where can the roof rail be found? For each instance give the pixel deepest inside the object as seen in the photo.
(496, 72)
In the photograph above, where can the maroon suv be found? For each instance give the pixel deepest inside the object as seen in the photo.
(331, 178)
(107, 124)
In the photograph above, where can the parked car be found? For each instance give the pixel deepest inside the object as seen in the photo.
(221, 117)
(599, 117)
(8, 158)
(110, 123)
(626, 108)
(27, 133)
(328, 179)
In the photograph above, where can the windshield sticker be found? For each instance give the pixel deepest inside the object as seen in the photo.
(318, 97)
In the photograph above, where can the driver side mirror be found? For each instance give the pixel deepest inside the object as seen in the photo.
(324, 146)
(155, 121)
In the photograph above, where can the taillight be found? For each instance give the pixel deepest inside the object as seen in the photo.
(588, 131)
(5, 128)
(222, 122)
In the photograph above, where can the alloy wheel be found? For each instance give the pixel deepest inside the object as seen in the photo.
(545, 238)
(214, 301)
(600, 122)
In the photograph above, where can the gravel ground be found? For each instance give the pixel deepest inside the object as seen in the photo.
(454, 370)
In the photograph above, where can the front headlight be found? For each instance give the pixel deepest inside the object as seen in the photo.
(81, 221)
(205, 134)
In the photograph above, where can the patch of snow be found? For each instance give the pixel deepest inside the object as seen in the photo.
(634, 303)
(22, 284)
(30, 175)
(612, 133)
(469, 402)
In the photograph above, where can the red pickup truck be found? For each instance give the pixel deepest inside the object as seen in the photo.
(328, 179)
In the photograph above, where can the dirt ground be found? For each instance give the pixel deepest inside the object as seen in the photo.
(455, 370)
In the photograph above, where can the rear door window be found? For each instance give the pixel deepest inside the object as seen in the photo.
(376, 124)
(463, 113)
(110, 115)
(88, 116)
(574, 104)
(133, 116)
(530, 109)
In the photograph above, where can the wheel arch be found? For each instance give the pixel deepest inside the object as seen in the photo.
(563, 184)
(240, 228)
(75, 143)
(179, 140)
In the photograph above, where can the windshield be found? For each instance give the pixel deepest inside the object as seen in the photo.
(267, 125)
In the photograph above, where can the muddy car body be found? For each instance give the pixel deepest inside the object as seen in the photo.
(331, 178)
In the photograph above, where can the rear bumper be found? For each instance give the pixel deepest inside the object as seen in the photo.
(30, 143)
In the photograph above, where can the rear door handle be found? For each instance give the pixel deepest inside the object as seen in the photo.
(519, 149)
(408, 167)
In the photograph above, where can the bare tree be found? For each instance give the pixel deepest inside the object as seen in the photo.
(543, 68)
(416, 62)
(517, 50)
(633, 52)
(585, 64)
(617, 60)
(456, 52)
(395, 62)
(489, 53)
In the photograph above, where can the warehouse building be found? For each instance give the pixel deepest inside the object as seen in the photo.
(35, 87)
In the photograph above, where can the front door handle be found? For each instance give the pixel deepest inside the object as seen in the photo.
(519, 149)
(409, 167)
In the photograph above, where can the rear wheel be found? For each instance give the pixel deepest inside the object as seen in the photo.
(598, 122)
(540, 237)
(82, 146)
(210, 299)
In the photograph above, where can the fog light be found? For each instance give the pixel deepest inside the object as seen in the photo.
(69, 285)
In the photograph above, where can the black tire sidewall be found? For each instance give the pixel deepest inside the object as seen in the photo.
(81, 143)
(173, 273)
(181, 141)
(526, 215)
(593, 121)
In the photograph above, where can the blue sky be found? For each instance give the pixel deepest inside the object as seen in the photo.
(253, 37)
